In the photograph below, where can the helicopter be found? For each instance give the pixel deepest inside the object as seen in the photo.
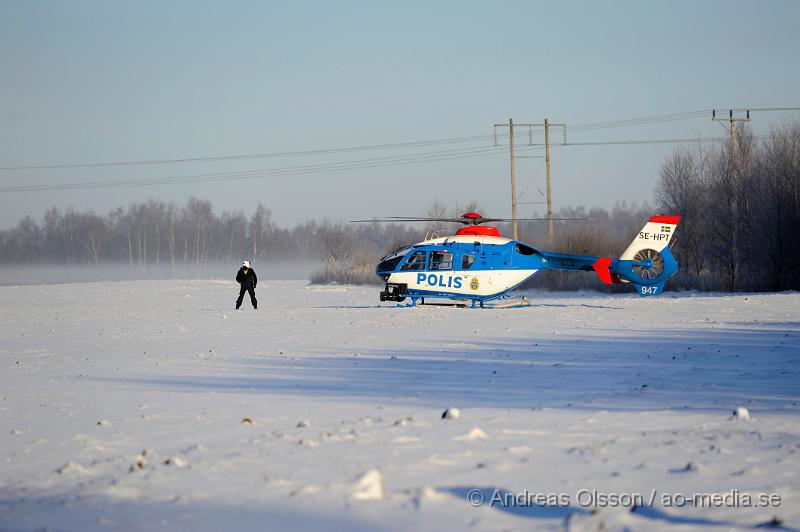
(477, 265)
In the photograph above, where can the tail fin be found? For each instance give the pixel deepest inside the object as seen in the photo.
(655, 234)
(647, 263)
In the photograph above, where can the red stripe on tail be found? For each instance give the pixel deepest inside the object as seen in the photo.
(672, 220)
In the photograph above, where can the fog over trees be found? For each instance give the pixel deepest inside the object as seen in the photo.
(156, 236)
(739, 230)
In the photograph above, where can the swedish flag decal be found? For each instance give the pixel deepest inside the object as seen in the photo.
(665, 229)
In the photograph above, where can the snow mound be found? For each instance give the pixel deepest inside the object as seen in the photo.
(475, 434)
(451, 413)
(370, 486)
(141, 460)
(407, 439)
(518, 449)
(72, 468)
(425, 494)
(742, 413)
(177, 461)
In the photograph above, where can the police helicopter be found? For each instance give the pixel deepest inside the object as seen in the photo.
(478, 265)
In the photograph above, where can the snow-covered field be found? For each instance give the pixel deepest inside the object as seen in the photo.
(153, 404)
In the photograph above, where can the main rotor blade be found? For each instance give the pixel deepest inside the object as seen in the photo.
(426, 219)
(467, 221)
(381, 220)
(535, 219)
(397, 219)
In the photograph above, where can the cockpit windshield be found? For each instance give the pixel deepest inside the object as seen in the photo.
(398, 253)
(390, 262)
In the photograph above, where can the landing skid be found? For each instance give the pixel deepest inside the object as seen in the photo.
(514, 302)
(497, 302)
(456, 303)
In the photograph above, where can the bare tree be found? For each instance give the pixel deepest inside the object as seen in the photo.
(259, 230)
(95, 232)
(437, 209)
(680, 191)
(336, 243)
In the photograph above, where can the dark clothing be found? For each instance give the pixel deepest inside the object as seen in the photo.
(247, 280)
(252, 292)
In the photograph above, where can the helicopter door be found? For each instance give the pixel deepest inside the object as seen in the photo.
(441, 260)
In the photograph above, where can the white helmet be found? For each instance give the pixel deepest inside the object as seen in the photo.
(246, 263)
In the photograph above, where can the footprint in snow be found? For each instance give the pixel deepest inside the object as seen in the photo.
(688, 468)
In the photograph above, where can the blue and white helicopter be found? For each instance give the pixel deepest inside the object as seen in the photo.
(477, 265)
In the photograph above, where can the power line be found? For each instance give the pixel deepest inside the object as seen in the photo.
(348, 149)
(291, 170)
(387, 146)
(275, 172)
(654, 141)
(397, 160)
(766, 109)
(640, 121)
(377, 162)
(655, 119)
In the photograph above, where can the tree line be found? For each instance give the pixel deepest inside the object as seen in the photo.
(168, 235)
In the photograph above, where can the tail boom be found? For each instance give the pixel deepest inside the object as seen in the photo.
(646, 263)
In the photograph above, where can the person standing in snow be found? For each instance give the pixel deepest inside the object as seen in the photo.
(246, 277)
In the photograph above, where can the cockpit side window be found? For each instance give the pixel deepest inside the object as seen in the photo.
(416, 261)
(441, 260)
(466, 261)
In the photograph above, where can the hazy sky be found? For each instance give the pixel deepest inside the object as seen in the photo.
(100, 81)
